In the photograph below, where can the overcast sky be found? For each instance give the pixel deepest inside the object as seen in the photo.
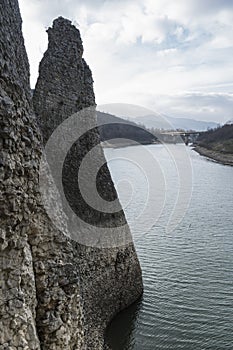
(172, 56)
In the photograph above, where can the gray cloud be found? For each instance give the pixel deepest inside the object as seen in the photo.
(216, 107)
(153, 52)
(208, 6)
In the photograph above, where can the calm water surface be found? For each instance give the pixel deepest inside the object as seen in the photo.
(188, 273)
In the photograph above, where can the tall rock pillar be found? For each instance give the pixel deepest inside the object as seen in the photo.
(110, 277)
(40, 305)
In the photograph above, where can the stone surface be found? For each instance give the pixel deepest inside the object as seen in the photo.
(65, 81)
(40, 298)
(55, 292)
(17, 172)
(111, 277)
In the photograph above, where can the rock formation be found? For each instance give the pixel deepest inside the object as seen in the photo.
(18, 162)
(55, 292)
(40, 296)
(110, 277)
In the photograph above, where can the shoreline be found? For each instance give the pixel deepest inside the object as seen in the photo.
(106, 144)
(221, 158)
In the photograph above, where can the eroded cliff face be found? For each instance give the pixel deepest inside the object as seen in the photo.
(65, 83)
(110, 277)
(55, 292)
(17, 178)
(40, 298)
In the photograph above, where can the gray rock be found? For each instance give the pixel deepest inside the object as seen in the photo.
(111, 277)
(37, 312)
(55, 292)
(18, 291)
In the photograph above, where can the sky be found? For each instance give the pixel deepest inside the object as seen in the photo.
(171, 56)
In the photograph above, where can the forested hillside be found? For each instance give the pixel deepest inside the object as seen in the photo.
(114, 130)
(220, 139)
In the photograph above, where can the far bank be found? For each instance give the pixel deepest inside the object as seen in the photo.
(223, 158)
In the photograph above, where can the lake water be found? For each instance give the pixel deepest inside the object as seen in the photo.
(187, 268)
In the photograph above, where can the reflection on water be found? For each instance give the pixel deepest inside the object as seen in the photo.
(188, 273)
(122, 327)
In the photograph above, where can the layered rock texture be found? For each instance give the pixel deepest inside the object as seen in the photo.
(110, 277)
(18, 160)
(55, 292)
(40, 290)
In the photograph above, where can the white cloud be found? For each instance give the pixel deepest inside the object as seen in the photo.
(197, 105)
(140, 50)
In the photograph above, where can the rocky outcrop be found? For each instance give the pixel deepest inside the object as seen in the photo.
(65, 83)
(17, 180)
(40, 296)
(110, 277)
(55, 292)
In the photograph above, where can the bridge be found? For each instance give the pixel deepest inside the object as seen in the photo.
(176, 136)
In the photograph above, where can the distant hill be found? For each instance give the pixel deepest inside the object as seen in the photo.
(229, 122)
(166, 123)
(118, 128)
(220, 139)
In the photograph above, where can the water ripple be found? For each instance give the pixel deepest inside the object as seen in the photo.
(188, 274)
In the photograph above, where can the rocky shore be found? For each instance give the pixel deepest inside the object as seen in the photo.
(222, 158)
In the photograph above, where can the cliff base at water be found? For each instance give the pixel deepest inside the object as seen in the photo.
(56, 293)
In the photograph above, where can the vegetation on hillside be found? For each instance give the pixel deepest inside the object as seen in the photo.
(115, 130)
(220, 139)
